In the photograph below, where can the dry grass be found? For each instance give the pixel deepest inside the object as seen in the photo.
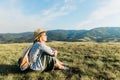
(88, 61)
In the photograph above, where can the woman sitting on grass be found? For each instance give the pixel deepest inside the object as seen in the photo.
(41, 56)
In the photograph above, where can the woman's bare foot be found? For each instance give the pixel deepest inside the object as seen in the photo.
(60, 62)
(60, 66)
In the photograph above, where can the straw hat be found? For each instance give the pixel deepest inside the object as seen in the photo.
(37, 32)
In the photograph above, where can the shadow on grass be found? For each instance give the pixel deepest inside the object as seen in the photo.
(72, 72)
(13, 69)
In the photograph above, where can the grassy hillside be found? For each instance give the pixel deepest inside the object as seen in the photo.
(88, 61)
(100, 34)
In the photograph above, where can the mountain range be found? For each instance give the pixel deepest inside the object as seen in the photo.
(101, 34)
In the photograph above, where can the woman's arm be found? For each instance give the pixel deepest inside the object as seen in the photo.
(48, 50)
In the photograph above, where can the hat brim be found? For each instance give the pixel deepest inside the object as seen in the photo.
(39, 34)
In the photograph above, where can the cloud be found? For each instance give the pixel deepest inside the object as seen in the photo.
(53, 13)
(13, 16)
(106, 10)
(58, 10)
(68, 1)
(109, 9)
(72, 1)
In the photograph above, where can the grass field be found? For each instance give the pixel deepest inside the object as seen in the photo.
(88, 61)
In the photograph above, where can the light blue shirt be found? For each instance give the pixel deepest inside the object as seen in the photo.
(35, 55)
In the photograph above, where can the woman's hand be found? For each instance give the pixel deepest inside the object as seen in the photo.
(55, 53)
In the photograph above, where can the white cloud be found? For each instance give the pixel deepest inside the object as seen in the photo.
(57, 11)
(68, 7)
(13, 17)
(68, 1)
(52, 13)
(109, 9)
(106, 10)
(72, 1)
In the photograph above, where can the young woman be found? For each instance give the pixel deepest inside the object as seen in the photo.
(41, 56)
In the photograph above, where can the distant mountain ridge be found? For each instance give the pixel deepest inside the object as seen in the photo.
(101, 34)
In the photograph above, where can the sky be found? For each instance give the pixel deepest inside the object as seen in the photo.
(27, 15)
